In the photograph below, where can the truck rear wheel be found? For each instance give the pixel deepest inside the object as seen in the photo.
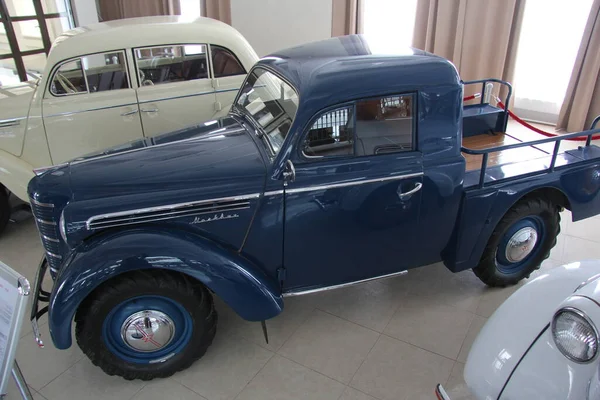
(4, 209)
(146, 324)
(521, 241)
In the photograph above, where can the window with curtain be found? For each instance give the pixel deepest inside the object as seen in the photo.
(548, 45)
(389, 23)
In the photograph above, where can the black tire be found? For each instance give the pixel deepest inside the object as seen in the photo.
(491, 270)
(192, 296)
(4, 209)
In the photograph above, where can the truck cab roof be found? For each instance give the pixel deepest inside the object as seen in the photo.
(344, 68)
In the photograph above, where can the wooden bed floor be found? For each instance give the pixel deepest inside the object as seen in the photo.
(485, 141)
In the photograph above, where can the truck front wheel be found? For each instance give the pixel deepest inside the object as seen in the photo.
(4, 209)
(146, 324)
(521, 241)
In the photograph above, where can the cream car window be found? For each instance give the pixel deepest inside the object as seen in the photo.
(90, 74)
(176, 63)
(105, 72)
(68, 79)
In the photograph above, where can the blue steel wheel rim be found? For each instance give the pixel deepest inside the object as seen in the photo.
(112, 328)
(509, 244)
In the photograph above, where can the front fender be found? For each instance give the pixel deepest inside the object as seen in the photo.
(15, 174)
(242, 285)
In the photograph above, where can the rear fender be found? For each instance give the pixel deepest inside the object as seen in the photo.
(482, 210)
(242, 285)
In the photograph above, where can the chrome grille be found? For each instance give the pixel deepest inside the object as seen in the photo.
(161, 213)
(47, 225)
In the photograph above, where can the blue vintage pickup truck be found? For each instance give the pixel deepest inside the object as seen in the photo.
(336, 165)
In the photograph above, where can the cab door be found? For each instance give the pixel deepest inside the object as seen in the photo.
(228, 76)
(352, 210)
(90, 105)
(175, 90)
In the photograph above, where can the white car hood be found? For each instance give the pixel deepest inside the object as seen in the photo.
(517, 323)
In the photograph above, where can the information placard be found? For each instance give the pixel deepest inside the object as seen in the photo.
(14, 292)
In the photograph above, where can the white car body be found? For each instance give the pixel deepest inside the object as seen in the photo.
(515, 356)
(135, 78)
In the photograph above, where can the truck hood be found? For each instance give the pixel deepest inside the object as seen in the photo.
(216, 158)
(14, 109)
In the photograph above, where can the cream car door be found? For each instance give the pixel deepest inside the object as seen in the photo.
(229, 74)
(175, 87)
(89, 106)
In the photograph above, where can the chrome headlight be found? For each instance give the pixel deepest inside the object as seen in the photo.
(62, 227)
(575, 335)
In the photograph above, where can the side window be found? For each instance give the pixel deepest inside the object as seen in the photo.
(68, 79)
(332, 134)
(105, 71)
(380, 126)
(164, 64)
(225, 63)
(384, 125)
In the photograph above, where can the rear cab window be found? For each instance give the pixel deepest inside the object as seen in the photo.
(366, 127)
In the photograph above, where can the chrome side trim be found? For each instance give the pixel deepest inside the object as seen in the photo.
(226, 90)
(273, 193)
(38, 203)
(54, 255)
(50, 239)
(6, 123)
(177, 97)
(310, 291)
(63, 114)
(43, 221)
(168, 207)
(352, 183)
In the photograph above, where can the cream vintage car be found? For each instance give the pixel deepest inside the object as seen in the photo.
(114, 82)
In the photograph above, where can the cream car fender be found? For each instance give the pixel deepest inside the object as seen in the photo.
(511, 330)
(15, 174)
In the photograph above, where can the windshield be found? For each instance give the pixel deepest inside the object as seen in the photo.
(271, 103)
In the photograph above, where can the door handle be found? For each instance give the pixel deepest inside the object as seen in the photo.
(407, 195)
(149, 110)
(125, 114)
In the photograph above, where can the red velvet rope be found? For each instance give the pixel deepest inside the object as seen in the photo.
(529, 126)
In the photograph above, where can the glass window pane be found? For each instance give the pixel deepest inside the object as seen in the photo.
(68, 79)
(332, 134)
(166, 64)
(34, 65)
(56, 26)
(4, 46)
(105, 72)
(54, 6)
(384, 125)
(29, 36)
(225, 63)
(8, 73)
(19, 8)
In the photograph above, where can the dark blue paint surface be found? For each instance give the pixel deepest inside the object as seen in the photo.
(293, 241)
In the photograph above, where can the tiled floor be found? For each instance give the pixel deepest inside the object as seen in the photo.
(392, 339)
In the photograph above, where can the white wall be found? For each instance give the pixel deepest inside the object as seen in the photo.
(271, 25)
(85, 12)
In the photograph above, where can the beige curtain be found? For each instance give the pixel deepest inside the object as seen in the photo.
(346, 17)
(479, 36)
(217, 9)
(582, 100)
(118, 9)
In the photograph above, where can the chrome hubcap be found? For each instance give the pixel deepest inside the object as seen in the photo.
(147, 331)
(521, 244)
